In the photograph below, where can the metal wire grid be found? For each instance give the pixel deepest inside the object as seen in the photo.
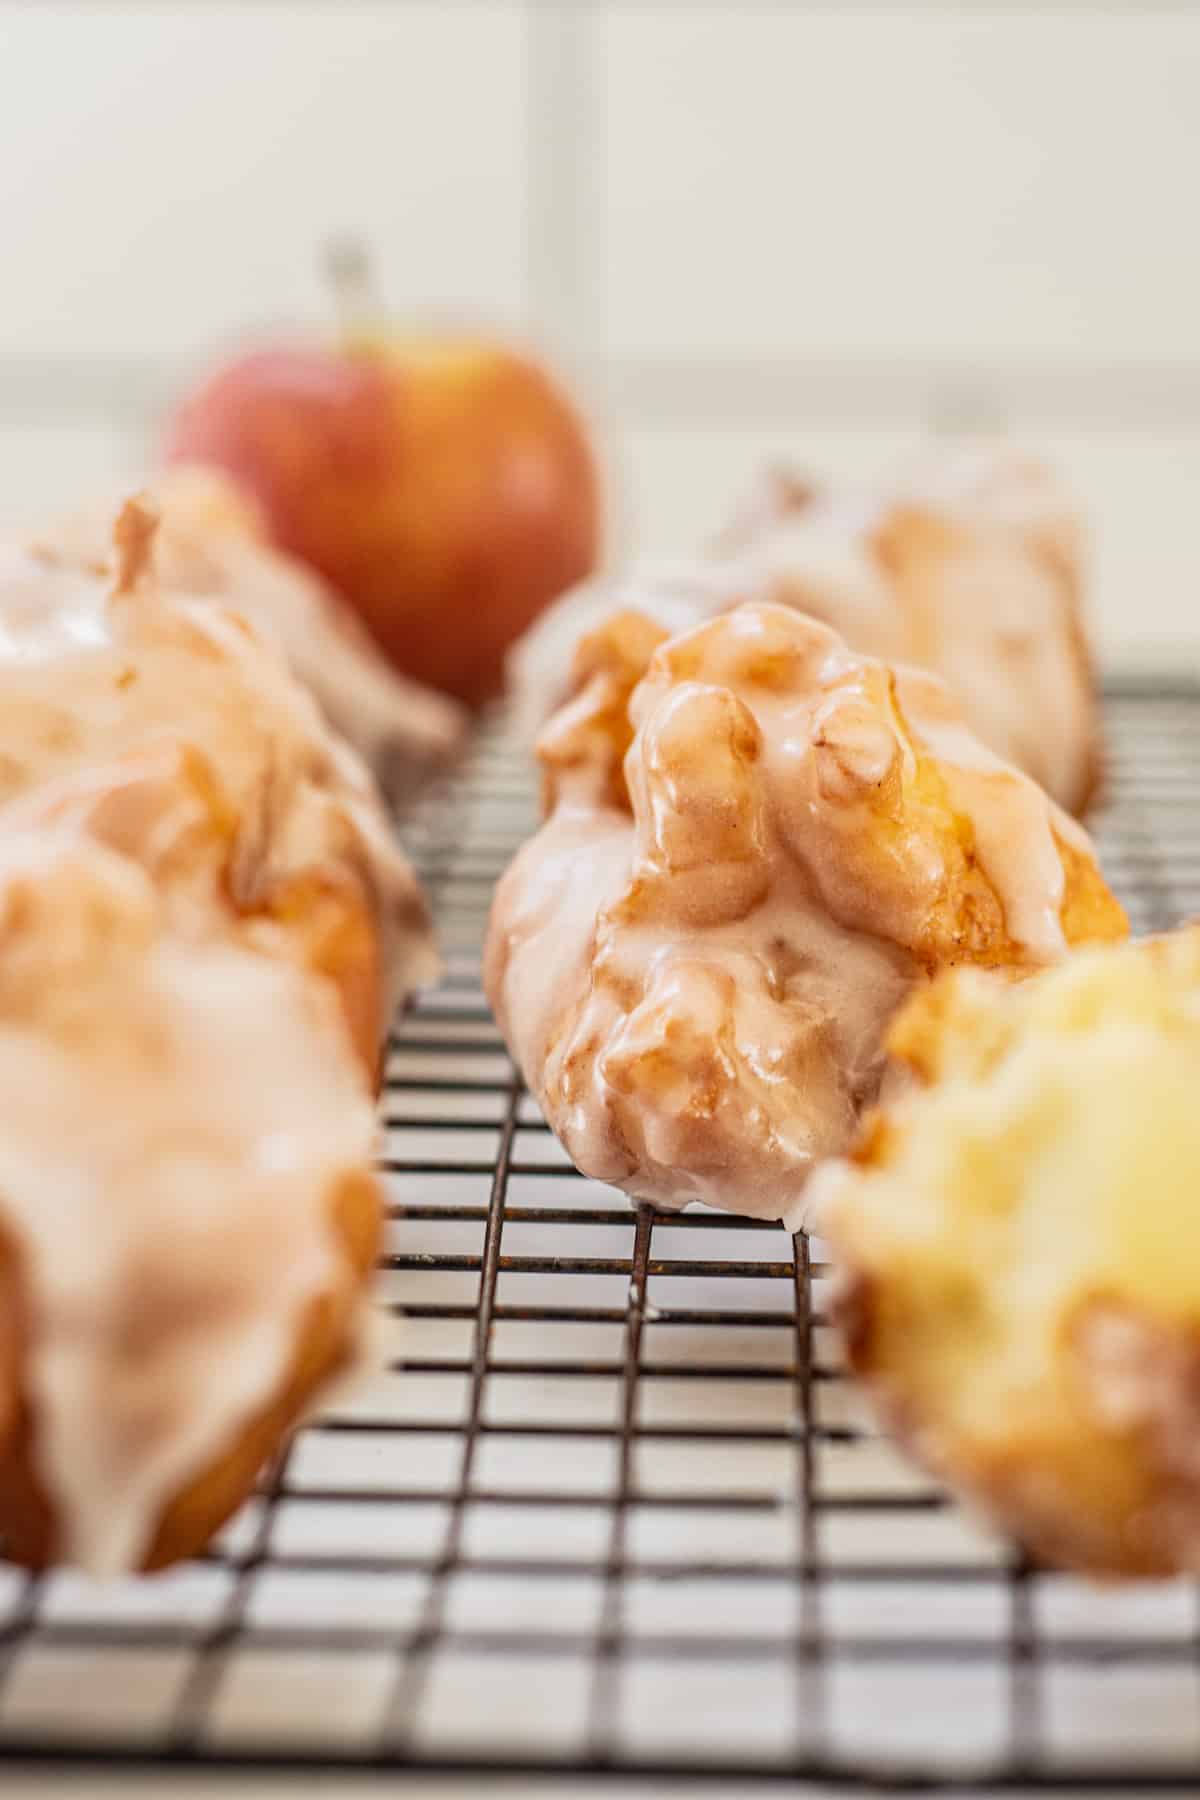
(613, 1506)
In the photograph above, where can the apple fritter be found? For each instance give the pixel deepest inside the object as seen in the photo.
(752, 855)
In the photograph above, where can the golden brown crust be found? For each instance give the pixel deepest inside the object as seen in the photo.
(331, 926)
(28, 1529)
(12, 1336)
(1113, 1504)
(592, 731)
(1091, 912)
(323, 917)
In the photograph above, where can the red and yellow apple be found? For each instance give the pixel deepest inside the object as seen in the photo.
(444, 485)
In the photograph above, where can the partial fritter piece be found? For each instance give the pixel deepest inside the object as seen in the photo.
(212, 544)
(164, 724)
(968, 563)
(1018, 1232)
(757, 843)
(187, 1217)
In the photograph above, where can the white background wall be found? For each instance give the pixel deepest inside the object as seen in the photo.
(749, 228)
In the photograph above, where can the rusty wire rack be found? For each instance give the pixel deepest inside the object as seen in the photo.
(612, 1507)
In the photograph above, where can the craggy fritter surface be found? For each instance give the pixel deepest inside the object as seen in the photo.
(1017, 1234)
(757, 843)
(212, 544)
(168, 728)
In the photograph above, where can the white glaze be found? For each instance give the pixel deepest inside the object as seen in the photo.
(697, 990)
(178, 1117)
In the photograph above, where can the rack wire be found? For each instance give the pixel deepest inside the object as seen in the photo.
(613, 1507)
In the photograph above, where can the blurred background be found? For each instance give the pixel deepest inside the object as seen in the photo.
(746, 229)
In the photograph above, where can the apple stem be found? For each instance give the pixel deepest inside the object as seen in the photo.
(355, 298)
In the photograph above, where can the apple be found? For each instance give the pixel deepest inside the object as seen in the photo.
(443, 483)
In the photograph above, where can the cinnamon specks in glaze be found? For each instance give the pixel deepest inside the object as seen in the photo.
(751, 855)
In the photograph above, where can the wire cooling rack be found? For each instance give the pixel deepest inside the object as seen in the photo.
(613, 1506)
